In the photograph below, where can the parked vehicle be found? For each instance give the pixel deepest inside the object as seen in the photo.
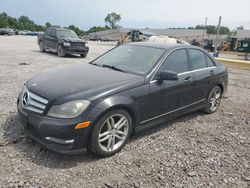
(208, 45)
(26, 32)
(132, 87)
(7, 31)
(62, 41)
(20, 32)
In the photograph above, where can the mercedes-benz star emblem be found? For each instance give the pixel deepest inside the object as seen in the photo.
(25, 98)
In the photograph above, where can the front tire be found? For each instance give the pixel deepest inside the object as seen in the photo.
(213, 100)
(60, 51)
(83, 55)
(41, 47)
(111, 133)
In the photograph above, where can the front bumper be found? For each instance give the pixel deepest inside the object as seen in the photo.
(76, 50)
(55, 134)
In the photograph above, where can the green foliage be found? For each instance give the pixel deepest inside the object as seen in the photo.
(224, 30)
(98, 29)
(211, 29)
(112, 19)
(78, 31)
(22, 23)
(47, 24)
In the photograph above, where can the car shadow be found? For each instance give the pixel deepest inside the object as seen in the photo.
(34, 152)
(167, 124)
(55, 54)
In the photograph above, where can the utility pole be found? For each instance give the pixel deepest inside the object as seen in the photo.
(203, 34)
(216, 52)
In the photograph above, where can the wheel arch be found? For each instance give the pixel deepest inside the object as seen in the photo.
(100, 109)
(112, 103)
(221, 86)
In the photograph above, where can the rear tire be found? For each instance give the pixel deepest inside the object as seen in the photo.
(60, 51)
(41, 46)
(111, 132)
(213, 100)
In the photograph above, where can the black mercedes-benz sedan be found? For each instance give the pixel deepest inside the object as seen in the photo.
(98, 105)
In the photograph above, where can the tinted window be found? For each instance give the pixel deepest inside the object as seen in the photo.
(176, 61)
(53, 33)
(197, 58)
(66, 33)
(210, 62)
(48, 32)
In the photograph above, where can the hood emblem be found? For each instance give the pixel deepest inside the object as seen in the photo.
(25, 98)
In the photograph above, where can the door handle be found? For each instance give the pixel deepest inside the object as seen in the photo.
(188, 79)
(211, 72)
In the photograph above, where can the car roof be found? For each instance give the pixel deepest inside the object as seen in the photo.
(160, 45)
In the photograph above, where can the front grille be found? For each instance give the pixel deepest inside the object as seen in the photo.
(78, 44)
(33, 102)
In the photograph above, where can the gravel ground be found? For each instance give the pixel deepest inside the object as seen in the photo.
(196, 150)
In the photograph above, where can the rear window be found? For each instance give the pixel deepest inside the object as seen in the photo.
(197, 58)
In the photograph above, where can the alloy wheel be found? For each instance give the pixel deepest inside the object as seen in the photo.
(113, 133)
(215, 99)
(60, 51)
(41, 46)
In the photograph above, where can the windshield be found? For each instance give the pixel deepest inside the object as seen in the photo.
(66, 33)
(135, 59)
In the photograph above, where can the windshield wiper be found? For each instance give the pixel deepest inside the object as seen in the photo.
(95, 64)
(113, 67)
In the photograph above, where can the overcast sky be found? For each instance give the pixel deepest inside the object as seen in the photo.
(135, 13)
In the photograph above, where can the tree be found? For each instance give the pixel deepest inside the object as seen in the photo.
(3, 20)
(211, 29)
(112, 19)
(97, 29)
(78, 31)
(27, 23)
(47, 24)
(224, 30)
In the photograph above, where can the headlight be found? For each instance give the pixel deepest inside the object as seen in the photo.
(66, 43)
(68, 110)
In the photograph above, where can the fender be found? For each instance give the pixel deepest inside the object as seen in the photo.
(102, 106)
(59, 42)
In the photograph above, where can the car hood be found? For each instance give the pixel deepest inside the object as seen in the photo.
(84, 81)
(67, 39)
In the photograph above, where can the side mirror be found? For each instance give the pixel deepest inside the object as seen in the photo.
(167, 75)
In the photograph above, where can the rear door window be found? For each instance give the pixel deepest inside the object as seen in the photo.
(210, 62)
(197, 58)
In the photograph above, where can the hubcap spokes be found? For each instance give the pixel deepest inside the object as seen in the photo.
(215, 99)
(113, 132)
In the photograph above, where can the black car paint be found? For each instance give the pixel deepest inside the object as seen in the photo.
(149, 101)
(78, 46)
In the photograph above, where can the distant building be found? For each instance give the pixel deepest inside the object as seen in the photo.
(185, 34)
(243, 34)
